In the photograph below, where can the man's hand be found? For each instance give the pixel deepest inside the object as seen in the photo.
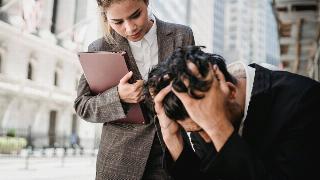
(169, 128)
(130, 93)
(210, 112)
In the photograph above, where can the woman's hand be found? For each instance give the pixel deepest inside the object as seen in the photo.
(130, 93)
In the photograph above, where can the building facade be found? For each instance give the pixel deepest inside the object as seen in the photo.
(251, 33)
(299, 22)
(205, 17)
(39, 68)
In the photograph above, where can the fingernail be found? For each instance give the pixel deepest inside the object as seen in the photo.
(215, 67)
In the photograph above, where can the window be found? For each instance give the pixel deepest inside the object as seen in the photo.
(56, 78)
(52, 128)
(0, 62)
(30, 71)
(232, 28)
(232, 46)
(2, 57)
(57, 74)
(54, 16)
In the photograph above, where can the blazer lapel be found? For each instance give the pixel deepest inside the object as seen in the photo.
(255, 130)
(165, 40)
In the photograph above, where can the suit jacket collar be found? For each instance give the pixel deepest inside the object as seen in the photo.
(165, 39)
(165, 45)
(256, 124)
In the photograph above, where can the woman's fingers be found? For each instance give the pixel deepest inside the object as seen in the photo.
(126, 78)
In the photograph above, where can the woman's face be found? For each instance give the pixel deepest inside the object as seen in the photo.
(129, 18)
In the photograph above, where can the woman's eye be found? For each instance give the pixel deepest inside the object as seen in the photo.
(136, 15)
(118, 22)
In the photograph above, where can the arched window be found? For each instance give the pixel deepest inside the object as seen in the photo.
(30, 71)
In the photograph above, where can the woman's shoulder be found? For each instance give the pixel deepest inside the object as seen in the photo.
(176, 27)
(99, 45)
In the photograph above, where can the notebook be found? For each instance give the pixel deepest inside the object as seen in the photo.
(103, 70)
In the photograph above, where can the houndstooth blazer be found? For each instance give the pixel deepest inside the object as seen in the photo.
(124, 148)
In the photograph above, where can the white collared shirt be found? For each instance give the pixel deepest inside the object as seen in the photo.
(145, 51)
(238, 68)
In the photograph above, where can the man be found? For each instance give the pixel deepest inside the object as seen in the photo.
(255, 124)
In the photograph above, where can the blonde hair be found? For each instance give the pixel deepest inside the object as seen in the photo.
(106, 28)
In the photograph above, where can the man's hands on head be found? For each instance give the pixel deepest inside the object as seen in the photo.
(169, 128)
(210, 112)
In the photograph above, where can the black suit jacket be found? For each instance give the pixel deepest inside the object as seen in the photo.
(279, 141)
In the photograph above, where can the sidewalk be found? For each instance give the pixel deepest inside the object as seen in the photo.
(48, 168)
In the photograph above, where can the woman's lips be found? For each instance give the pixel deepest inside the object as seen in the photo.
(136, 35)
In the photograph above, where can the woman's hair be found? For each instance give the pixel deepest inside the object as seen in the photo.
(175, 70)
(108, 31)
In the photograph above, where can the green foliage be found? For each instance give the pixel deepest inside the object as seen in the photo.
(11, 133)
(11, 144)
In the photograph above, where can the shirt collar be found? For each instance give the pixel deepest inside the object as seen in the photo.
(150, 36)
(235, 68)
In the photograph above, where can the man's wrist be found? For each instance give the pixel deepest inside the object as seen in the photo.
(174, 144)
(220, 133)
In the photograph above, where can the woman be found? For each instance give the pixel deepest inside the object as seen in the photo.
(129, 151)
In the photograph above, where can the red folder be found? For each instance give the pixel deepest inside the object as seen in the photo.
(103, 70)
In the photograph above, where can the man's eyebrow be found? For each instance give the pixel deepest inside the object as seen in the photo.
(131, 16)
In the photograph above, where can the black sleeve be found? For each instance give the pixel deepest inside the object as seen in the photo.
(188, 165)
(294, 155)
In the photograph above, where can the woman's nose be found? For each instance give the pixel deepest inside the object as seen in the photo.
(130, 27)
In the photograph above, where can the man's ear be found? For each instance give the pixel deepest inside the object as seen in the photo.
(232, 90)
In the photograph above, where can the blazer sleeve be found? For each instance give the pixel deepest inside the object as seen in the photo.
(101, 108)
(189, 163)
(295, 156)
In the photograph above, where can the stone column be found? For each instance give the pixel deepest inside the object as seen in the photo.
(65, 22)
(65, 15)
(46, 21)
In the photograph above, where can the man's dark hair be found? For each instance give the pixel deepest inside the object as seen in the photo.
(175, 69)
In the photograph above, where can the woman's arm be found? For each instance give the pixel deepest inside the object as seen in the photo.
(101, 108)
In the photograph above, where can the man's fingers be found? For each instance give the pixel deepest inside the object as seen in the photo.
(184, 97)
(126, 78)
(194, 69)
(218, 73)
(160, 96)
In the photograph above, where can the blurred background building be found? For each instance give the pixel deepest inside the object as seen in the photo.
(39, 39)
(251, 33)
(299, 29)
(205, 17)
(39, 69)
